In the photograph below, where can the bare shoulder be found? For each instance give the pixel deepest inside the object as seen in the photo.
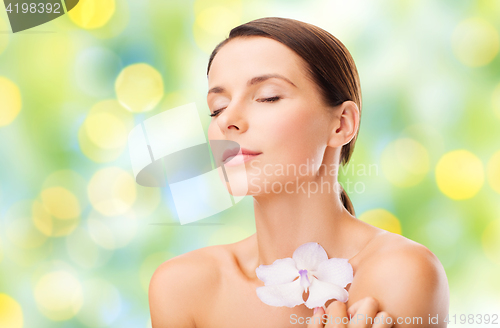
(400, 255)
(180, 283)
(406, 278)
(393, 250)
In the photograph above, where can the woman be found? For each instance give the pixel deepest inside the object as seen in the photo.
(289, 94)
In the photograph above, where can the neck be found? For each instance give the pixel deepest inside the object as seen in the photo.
(285, 221)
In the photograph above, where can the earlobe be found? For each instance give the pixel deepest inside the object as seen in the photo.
(345, 125)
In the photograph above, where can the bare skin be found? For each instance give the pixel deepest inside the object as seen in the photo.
(215, 286)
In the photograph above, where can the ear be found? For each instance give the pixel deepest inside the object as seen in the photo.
(345, 124)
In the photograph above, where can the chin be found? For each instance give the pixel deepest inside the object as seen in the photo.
(237, 180)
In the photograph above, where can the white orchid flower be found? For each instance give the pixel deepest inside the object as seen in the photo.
(324, 278)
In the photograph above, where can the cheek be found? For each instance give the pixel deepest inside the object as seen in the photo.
(213, 131)
(297, 136)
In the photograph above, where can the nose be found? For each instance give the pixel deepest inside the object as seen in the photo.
(232, 119)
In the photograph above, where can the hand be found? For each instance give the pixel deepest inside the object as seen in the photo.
(361, 314)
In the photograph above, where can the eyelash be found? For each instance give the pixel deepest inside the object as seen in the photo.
(271, 99)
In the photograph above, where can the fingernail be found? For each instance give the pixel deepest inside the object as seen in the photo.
(316, 309)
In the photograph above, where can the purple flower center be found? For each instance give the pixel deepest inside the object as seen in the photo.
(304, 280)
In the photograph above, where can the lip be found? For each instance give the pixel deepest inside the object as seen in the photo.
(236, 156)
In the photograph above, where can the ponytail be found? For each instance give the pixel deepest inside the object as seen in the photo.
(347, 201)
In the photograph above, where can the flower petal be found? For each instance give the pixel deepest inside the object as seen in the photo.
(320, 292)
(335, 271)
(289, 294)
(280, 272)
(309, 255)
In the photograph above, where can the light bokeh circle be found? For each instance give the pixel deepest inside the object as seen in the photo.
(459, 174)
(112, 232)
(103, 135)
(20, 228)
(92, 14)
(11, 313)
(405, 162)
(212, 21)
(57, 210)
(112, 191)
(382, 219)
(11, 102)
(106, 130)
(139, 87)
(59, 295)
(60, 202)
(475, 42)
(50, 225)
(493, 171)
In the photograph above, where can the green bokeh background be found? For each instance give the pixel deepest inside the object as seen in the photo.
(430, 74)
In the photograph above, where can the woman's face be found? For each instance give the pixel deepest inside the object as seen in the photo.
(265, 101)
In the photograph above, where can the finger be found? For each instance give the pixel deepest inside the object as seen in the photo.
(355, 307)
(316, 319)
(364, 315)
(336, 315)
(383, 320)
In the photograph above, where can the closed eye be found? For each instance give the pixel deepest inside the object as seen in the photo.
(216, 112)
(270, 99)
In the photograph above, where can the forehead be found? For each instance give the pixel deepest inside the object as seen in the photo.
(245, 57)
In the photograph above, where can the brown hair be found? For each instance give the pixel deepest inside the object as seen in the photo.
(328, 61)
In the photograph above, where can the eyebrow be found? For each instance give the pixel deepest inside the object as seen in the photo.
(255, 80)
